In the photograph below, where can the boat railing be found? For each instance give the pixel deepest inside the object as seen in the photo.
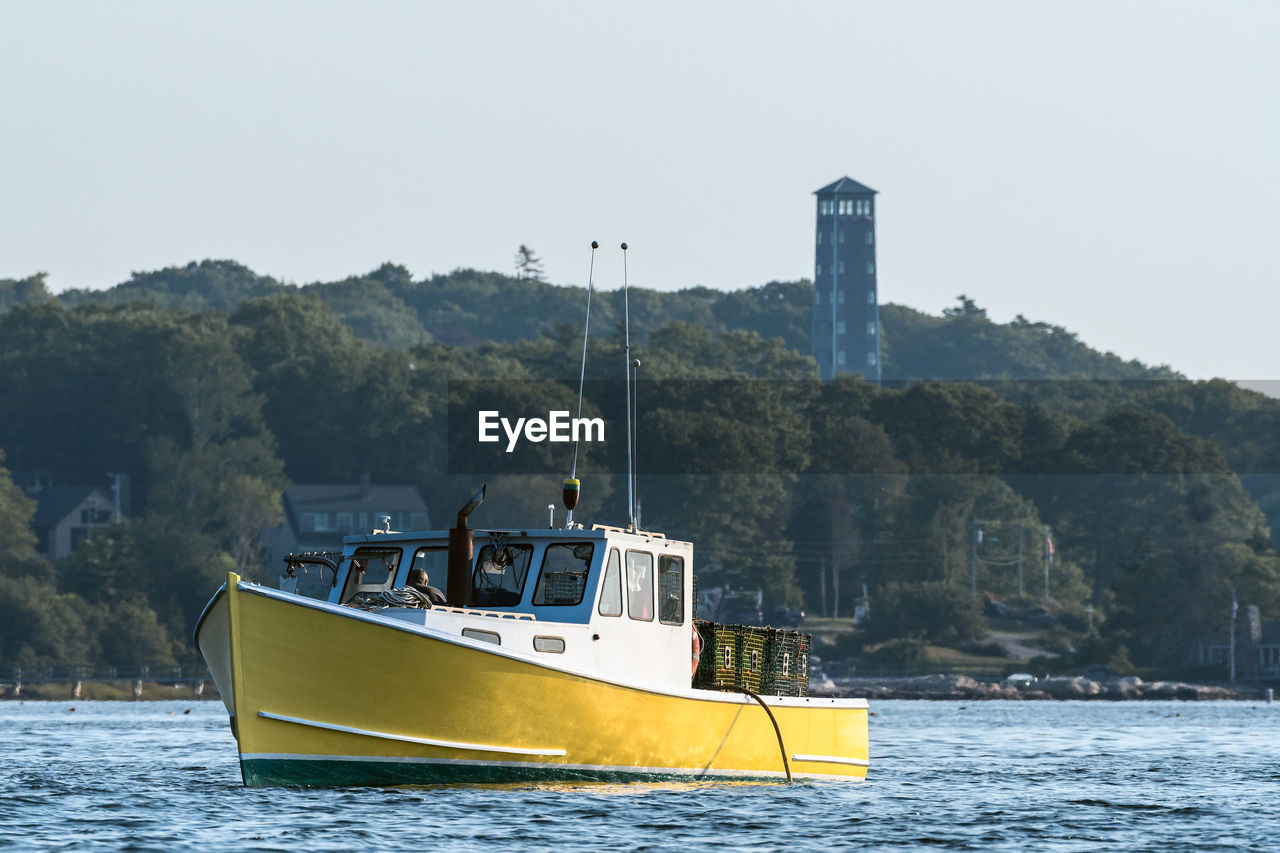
(498, 614)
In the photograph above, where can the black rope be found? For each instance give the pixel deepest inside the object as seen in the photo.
(786, 765)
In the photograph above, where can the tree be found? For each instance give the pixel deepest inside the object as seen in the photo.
(17, 542)
(24, 290)
(528, 265)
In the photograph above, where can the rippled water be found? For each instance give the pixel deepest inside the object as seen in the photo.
(1019, 775)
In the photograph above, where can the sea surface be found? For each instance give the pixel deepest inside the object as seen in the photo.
(952, 775)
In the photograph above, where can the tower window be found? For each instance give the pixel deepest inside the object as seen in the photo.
(819, 238)
(819, 268)
(871, 297)
(840, 357)
(871, 358)
(840, 297)
(871, 237)
(871, 327)
(840, 329)
(871, 267)
(841, 236)
(842, 266)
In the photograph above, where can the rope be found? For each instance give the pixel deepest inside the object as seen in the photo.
(405, 596)
(786, 765)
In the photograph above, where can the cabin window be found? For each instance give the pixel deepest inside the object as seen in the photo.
(418, 521)
(671, 589)
(499, 576)
(640, 585)
(550, 645)
(563, 579)
(371, 570)
(435, 562)
(611, 589)
(482, 635)
(344, 521)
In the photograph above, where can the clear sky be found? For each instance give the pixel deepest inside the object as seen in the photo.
(1112, 167)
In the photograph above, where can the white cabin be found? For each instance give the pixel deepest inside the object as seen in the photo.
(604, 602)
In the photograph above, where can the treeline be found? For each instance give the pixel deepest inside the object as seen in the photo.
(215, 396)
(467, 307)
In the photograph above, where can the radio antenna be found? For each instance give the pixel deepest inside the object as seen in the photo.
(626, 332)
(572, 483)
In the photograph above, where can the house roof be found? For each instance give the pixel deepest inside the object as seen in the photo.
(350, 497)
(334, 496)
(54, 503)
(845, 185)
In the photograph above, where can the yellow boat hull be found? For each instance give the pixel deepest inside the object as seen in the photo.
(322, 695)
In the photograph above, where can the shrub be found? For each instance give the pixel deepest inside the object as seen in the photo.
(930, 610)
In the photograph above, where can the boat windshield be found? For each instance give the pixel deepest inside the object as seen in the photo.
(500, 574)
(564, 574)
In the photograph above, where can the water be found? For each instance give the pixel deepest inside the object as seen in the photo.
(1014, 775)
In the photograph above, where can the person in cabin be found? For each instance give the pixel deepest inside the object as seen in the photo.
(418, 580)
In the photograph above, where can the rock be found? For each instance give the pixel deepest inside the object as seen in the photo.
(1122, 689)
(1062, 687)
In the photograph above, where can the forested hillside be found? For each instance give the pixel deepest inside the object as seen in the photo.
(213, 388)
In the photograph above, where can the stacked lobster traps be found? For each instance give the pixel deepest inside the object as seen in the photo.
(767, 661)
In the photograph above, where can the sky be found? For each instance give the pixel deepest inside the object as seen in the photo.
(1110, 167)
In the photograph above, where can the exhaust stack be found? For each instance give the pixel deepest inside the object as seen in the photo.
(461, 553)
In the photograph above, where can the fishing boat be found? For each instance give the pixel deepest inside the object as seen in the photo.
(562, 653)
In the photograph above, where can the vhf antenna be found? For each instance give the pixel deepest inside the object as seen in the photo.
(571, 486)
(626, 325)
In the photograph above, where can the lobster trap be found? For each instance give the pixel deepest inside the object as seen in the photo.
(769, 661)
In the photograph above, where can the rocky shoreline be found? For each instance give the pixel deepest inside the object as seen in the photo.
(1059, 687)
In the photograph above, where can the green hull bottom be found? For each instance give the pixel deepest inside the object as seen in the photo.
(323, 773)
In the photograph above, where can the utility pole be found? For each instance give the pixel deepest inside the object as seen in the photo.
(1020, 561)
(1232, 653)
(973, 558)
(973, 554)
(1048, 559)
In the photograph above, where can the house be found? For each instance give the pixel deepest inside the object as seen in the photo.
(66, 515)
(1257, 647)
(1269, 649)
(317, 516)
